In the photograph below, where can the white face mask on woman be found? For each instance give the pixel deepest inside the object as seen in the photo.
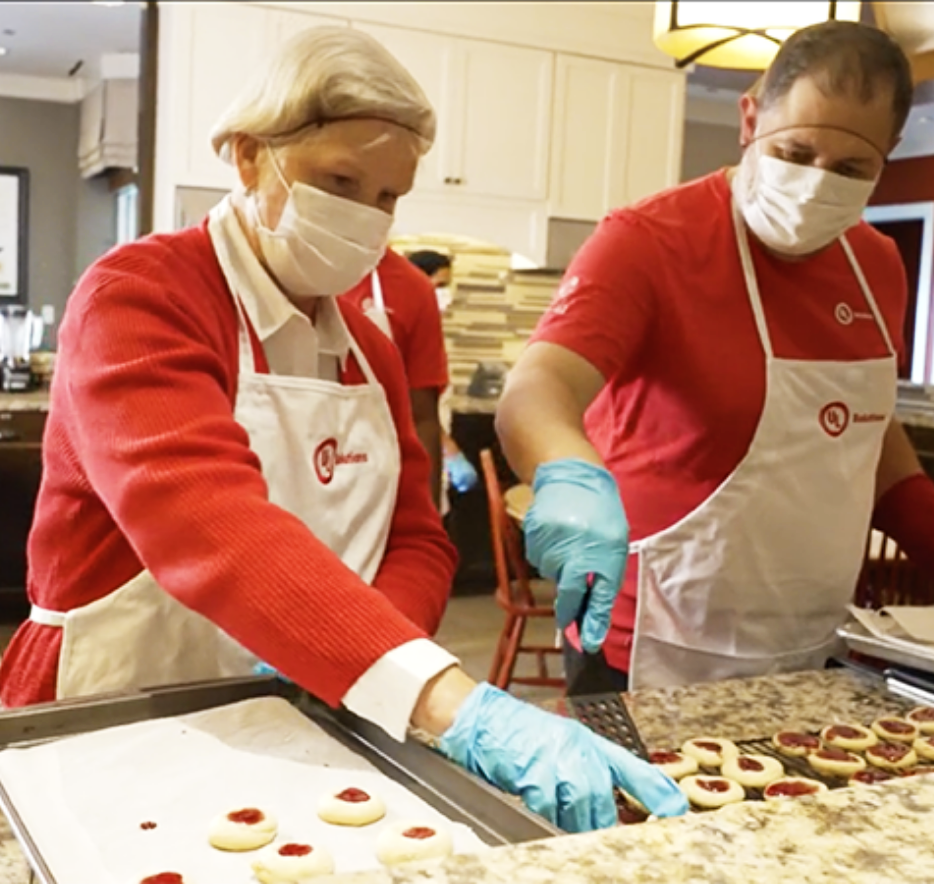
(797, 210)
(323, 244)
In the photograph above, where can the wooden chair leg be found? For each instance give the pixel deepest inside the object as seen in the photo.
(512, 652)
(496, 664)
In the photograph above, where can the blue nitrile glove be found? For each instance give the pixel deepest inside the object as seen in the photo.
(461, 472)
(265, 669)
(576, 527)
(562, 770)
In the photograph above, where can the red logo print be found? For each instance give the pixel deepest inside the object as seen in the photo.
(834, 418)
(325, 460)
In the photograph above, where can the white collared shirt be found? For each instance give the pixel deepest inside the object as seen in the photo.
(387, 692)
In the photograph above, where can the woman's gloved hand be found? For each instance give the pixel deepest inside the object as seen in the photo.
(461, 472)
(576, 527)
(561, 769)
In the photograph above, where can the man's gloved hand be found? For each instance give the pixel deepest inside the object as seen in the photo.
(561, 769)
(576, 527)
(461, 472)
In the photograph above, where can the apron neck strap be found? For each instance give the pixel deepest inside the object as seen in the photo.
(377, 289)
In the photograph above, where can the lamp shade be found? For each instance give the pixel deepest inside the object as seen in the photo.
(744, 35)
(912, 27)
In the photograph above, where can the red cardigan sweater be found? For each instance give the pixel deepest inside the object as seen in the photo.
(144, 466)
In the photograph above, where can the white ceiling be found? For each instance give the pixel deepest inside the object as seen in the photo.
(49, 39)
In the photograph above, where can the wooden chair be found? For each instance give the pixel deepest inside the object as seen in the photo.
(515, 594)
(889, 578)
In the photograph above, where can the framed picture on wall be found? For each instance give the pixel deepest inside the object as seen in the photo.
(14, 232)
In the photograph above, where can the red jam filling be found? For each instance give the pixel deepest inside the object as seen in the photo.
(925, 714)
(714, 785)
(872, 776)
(749, 764)
(147, 826)
(834, 754)
(354, 796)
(708, 747)
(893, 726)
(164, 878)
(917, 771)
(295, 850)
(798, 741)
(843, 732)
(791, 790)
(627, 815)
(888, 752)
(419, 833)
(664, 757)
(249, 816)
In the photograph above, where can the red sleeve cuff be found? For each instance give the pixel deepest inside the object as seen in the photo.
(906, 514)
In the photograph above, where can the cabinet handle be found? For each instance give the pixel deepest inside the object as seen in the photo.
(450, 180)
(9, 436)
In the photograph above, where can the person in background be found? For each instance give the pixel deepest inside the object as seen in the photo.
(459, 472)
(722, 358)
(401, 303)
(230, 469)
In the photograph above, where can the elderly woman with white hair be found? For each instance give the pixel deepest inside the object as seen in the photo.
(231, 472)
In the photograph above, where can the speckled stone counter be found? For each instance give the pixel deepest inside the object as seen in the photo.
(878, 835)
(34, 400)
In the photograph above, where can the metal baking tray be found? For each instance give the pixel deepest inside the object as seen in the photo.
(496, 818)
(859, 639)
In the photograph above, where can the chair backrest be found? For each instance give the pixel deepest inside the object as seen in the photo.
(889, 578)
(512, 573)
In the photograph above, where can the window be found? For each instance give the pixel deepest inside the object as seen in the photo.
(127, 214)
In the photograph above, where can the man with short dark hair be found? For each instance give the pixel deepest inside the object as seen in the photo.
(722, 358)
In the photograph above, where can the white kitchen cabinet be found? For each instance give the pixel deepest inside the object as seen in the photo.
(283, 24)
(430, 59)
(616, 136)
(494, 112)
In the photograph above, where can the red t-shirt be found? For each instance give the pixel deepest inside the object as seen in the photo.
(414, 317)
(144, 465)
(657, 302)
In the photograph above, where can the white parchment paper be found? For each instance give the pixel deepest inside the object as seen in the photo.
(83, 798)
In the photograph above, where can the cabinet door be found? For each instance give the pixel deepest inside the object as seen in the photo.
(429, 58)
(228, 41)
(589, 135)
(656, 132)
(504, 125)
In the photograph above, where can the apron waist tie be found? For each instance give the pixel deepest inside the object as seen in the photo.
(47, 618)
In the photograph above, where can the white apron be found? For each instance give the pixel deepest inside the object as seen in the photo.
(756, 579)
(329, 455)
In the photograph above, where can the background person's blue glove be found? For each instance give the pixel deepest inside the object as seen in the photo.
(562, 770)
(576, 527)
(265, 669)
(461, 472)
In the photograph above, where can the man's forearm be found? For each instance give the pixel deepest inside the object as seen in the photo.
(898, 460)
(539, 420)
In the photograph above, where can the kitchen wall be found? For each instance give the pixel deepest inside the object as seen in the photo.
(71, 221)
(905, 181)
(708, 147)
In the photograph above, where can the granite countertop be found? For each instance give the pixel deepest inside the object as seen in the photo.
(871, 835)
(34, 400)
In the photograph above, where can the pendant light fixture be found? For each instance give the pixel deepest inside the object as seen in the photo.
(744, 35)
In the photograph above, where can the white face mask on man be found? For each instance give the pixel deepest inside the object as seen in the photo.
(794, 209)
(323, 244)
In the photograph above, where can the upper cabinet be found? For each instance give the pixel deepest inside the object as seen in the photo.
(494, 112)
(616, 136)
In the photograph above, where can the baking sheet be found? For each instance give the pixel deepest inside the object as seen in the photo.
(84, 798)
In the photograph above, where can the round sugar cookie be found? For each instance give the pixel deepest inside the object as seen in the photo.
(291, 863)
(351, 807)
(835, 762)
(795, 744)
(923, 717)
(852, 737)
(674, 764)
(709, 751)
(870, 777)
(712, 792)
(753, 771)
(409, 841)
(247, 828)
(924, 748)
(891, 756)
(792, 787)
(896, 730)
